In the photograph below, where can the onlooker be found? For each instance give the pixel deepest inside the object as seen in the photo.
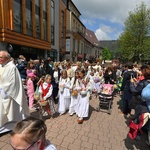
(22, 64)
(55, 82)
(30, 67)
(48, 66)
(30, 134)
(70, 71)
(109, 75)
(30, 89)
(13, 103)
(127, 94)
(42, 69)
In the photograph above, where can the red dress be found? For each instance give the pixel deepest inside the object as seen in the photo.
(44, 92)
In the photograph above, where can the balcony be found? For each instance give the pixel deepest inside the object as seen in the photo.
(77, 33)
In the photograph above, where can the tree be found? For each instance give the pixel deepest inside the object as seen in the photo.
(134, 42)
(106, 54)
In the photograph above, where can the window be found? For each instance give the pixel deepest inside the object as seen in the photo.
(73, 44)
(63, 30)
(29, 17)
(37, 16)
(52, 22)
(78, 47)
(17, 15)
(45, 19)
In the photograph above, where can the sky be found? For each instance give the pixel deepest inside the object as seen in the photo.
(106, 17)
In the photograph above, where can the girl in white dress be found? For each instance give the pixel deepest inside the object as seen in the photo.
(85, 88)
(64, 93)
(74, 94)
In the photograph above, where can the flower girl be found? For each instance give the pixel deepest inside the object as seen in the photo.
(64, 92)
(74, 93)
(85, 90)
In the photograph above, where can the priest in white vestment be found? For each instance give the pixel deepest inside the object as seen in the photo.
(13, 103)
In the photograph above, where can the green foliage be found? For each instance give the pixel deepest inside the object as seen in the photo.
(135, 41)
(106, 54)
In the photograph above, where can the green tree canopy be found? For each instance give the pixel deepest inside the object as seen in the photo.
(106, 54)
(134, 42)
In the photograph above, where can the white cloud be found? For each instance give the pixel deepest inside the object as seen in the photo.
(102, 35)
(114, 10)
(101, 16)
(106, 28)
(88, 21)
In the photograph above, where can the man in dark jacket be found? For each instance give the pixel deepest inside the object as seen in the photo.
(48, 66)
(126, 92)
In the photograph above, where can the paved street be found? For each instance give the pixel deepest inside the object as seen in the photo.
(100, 131)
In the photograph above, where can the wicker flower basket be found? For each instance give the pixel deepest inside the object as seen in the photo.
(74, 93)
(43, 102)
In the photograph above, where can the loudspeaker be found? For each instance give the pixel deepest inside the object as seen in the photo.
(9, 48)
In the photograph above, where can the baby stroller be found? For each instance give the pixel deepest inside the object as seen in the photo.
(106, 97)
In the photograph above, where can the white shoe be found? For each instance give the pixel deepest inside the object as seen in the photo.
(71, 114)
(32, 109)
(61, 114)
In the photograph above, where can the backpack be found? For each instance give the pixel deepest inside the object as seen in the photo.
(146, 95)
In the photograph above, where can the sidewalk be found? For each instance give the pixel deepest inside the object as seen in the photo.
(100, 131)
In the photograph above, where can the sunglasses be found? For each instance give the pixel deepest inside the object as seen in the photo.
(28, 148)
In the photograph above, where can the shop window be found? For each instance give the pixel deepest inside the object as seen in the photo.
(63, 30)
(52, 22)
(29, 17)
(37, 16)
(45, 19)
(17, 11)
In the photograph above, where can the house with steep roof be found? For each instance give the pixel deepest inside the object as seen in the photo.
(92, 51)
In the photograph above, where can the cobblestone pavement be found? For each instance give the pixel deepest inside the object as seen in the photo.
(100, 131)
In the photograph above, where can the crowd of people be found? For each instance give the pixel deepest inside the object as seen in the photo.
(67, 83)
(70, 85)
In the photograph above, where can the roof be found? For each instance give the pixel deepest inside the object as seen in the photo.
(91, 37)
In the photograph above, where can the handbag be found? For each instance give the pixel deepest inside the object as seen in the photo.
(37, 94)
(134, 129)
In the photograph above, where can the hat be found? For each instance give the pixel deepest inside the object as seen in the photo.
(31, 75)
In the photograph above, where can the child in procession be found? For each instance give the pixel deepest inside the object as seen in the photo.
(85, 88)
(64, 93)
(74, 93)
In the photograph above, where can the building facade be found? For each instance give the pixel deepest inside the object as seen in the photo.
(26, 25)
(93, 51)
(75, 34)
(41, 28)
